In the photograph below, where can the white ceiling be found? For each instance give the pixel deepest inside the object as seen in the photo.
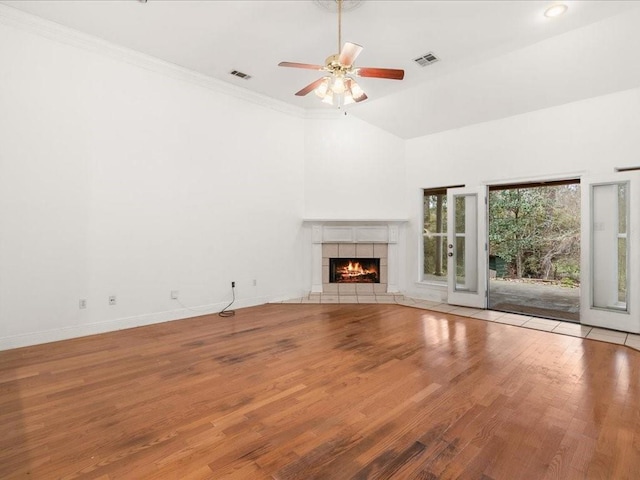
(215, 37)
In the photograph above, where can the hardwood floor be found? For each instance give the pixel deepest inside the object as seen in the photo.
(321, 392)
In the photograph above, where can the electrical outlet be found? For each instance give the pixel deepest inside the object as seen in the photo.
(112, 300)
(255, 282)
(82, 303)
(233, 284)
(174, 294)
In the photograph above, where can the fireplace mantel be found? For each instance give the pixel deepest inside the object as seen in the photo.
(355, 231)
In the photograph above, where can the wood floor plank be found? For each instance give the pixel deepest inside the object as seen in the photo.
(321, 391)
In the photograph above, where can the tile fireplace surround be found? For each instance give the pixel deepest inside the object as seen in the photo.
(355, 239)
(355, 250)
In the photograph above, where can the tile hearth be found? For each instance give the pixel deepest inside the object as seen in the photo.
(349, 298)
(553, 326)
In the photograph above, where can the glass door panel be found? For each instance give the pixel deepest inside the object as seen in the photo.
(466, 235)
(609, 246)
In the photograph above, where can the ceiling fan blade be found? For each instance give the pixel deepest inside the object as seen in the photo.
(308, 66)
(349, 53)
(309, 88)
(389, 73)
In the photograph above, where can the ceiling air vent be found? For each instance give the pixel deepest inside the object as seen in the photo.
(238, 74)
(426, 59)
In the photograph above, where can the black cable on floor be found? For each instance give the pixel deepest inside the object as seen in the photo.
(229, 313)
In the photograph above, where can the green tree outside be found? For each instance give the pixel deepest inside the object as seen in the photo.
(536, 230)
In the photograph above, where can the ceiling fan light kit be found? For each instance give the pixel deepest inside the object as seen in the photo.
(339, 87)
(339, 90)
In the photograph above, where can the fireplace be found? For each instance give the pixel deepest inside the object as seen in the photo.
(358, 241)
(354, 270)
(368, 274)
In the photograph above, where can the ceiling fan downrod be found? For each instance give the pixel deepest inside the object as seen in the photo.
(339, 25)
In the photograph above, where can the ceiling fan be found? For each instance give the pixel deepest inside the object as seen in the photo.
(339, 87)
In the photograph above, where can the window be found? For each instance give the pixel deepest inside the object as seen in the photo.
(434, 236)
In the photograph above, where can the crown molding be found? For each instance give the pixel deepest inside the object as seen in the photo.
(54, 31)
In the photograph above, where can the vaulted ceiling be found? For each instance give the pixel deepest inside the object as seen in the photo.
(497, 58)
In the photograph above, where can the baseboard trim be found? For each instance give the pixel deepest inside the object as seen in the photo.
(75, 331)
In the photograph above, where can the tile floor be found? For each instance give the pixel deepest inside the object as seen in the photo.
(553, 326)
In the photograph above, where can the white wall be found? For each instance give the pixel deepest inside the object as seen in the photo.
(587, 137)
(353, 170)
(117, 180)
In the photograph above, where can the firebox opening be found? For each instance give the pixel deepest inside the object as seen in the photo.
(354, 270)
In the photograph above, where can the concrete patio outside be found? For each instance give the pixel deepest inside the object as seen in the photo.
(537, 299)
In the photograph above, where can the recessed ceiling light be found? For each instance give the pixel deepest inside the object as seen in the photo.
(555, 10)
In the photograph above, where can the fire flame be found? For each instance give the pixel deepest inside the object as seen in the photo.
(346, 270)
(354, 269)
